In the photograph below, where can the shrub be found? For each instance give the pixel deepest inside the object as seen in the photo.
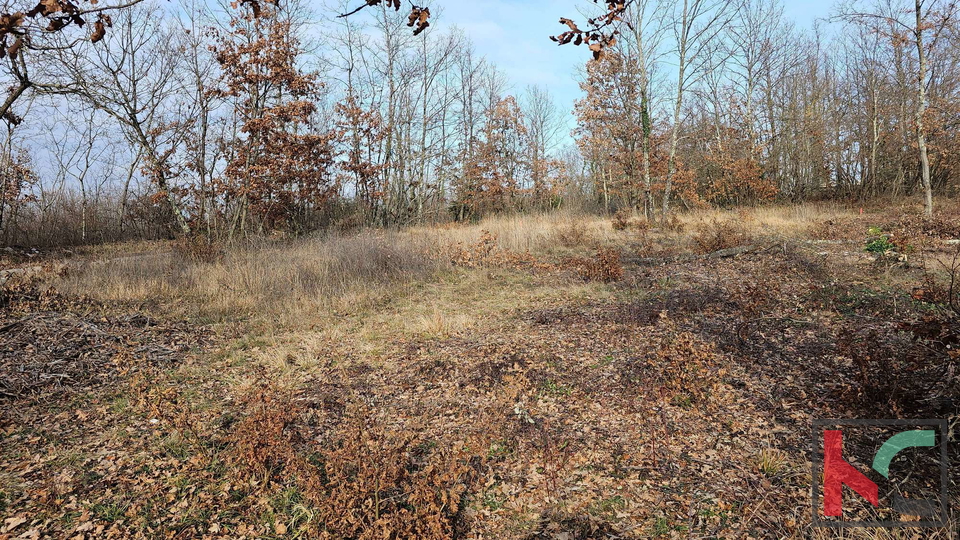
(674, 225)
(198, 249)
(263, 441)
(621, 220)
(376, 480)
(605, 267)
(574, 234)
(719, 235)
(477, 254)
(367, 480)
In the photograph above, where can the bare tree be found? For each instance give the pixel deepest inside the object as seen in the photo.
(132, 75)
(923, 29)
(697, 23)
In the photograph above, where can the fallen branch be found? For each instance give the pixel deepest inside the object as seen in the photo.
(721, 254)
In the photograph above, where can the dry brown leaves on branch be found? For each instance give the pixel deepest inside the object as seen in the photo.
(59, 14)
(605, 267)
(596, 39)
(370, 478)
(418, 17)
(486, 252)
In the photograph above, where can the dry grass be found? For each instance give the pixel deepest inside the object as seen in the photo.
(285, 281)
(905, 533)
(782, 221)
(296, 284)
(290, 282)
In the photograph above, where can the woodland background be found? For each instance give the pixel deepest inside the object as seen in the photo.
(230, 120)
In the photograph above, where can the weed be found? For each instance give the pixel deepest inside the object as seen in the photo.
(684, 401)
(608, 506)
(771, 462)
(573, 234)
(673, 224)
(880, 246)
(499, 449)
(261, 440)
(492, 501)
(621, 220)
(477, 254)
(661, 527)
(111, 512)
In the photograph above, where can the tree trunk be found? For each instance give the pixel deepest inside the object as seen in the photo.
(921, 110)
(677, 106)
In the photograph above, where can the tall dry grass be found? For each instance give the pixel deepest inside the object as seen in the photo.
(273, 280)
(287, 281)
(290, 280)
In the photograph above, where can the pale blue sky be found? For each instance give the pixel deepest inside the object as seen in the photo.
(513, 34)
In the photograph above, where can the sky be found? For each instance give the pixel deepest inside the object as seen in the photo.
(513, 34)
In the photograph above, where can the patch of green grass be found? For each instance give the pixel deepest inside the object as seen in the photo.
(175, 446)
(493, 502)
(217, 467)
(181, 482)
(723, 516)
(68, 519)
(662, 527)
(554, 388)
(110, 512)
(604, 362)
(880, 246)
(198, 520)
(499, 449)
(286, 500)
(289, 508)
(684, 401)
(608, 506)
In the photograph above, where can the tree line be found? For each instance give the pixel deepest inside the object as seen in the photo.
(728, 103)
(249, 117)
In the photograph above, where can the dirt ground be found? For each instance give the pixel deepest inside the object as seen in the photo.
(560, 377)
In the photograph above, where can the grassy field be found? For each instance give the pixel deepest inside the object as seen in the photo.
(557, 376)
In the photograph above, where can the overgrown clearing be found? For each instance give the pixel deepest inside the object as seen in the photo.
(511, 379)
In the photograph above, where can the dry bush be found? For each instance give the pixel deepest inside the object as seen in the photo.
(198, 249)
(621, 220)
(920, 226)
(378, 482)
(604, 267)
(893, 372)
(685, 368)
(640, 225)
(573, 235)
(624, 220)
(367, 482)
(563, 524)
(835, 229)
(673, 224)
(263, 441)
(477, 254)
(28, 294)
(719, 235)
